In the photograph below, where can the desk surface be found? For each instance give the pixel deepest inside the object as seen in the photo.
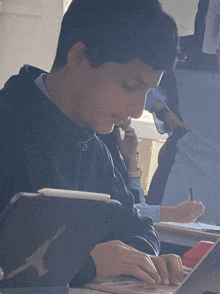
(84, 291)
(183, 236)
(170, 234)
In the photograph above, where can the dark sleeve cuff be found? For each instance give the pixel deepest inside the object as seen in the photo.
(142, 245)
(147, 241)
(85, 275)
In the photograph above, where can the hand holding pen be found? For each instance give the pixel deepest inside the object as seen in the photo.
(187, 211)
(191, 194)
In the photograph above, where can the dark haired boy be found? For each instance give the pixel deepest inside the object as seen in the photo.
(109, 54)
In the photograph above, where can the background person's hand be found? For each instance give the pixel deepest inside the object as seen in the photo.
(176, 125)
(180, 128)
(184, 212)
(115, 258)
(128, 145)
(1, 274)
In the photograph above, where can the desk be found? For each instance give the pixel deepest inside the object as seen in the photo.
(170, 234)
(183, 236)
(49, 290)
(84, 291)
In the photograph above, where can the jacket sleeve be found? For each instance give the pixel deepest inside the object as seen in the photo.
(85, 275)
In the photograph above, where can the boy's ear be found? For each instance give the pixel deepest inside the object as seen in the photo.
(76, 56)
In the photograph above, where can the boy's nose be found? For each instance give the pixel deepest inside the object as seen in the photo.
(136, 107)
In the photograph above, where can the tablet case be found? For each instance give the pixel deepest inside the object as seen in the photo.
(45, 240)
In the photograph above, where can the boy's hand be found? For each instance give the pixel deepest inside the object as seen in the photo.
(114, 258)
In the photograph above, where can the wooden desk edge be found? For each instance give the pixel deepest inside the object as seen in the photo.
(168, 228)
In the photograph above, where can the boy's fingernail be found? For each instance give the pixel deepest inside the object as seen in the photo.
(166, 281)
(158, 280)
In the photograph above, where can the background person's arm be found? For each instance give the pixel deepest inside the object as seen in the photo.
(166, 159)
(184, 212)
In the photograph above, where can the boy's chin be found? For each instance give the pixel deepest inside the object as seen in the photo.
(105, 129)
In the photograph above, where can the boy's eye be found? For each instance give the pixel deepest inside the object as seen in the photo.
(137, 86)
(129, 88)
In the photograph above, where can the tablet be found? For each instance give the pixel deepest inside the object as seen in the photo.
(47, 236)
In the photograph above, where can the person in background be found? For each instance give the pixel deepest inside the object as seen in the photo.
(167, 119)
(191, 57)
(186, 211)
(109, 54)
(192, 45)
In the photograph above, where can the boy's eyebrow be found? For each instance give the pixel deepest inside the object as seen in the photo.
(141, 81)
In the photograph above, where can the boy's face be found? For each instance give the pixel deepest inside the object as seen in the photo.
(113, 93)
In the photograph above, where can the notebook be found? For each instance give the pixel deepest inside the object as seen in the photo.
(47, 236)
(205, 276)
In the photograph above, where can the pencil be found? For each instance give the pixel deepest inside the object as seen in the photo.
(191, 194)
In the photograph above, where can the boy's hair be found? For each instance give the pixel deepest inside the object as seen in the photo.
(120, 31)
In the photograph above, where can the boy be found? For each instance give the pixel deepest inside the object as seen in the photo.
(109, 54)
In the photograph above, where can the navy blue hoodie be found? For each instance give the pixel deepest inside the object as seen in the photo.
(41, 147)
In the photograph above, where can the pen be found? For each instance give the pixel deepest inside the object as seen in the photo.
(191, 194)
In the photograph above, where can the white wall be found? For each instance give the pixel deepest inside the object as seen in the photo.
(184, 12)
(29, 31)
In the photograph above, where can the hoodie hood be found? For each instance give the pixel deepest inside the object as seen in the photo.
(23, 105)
